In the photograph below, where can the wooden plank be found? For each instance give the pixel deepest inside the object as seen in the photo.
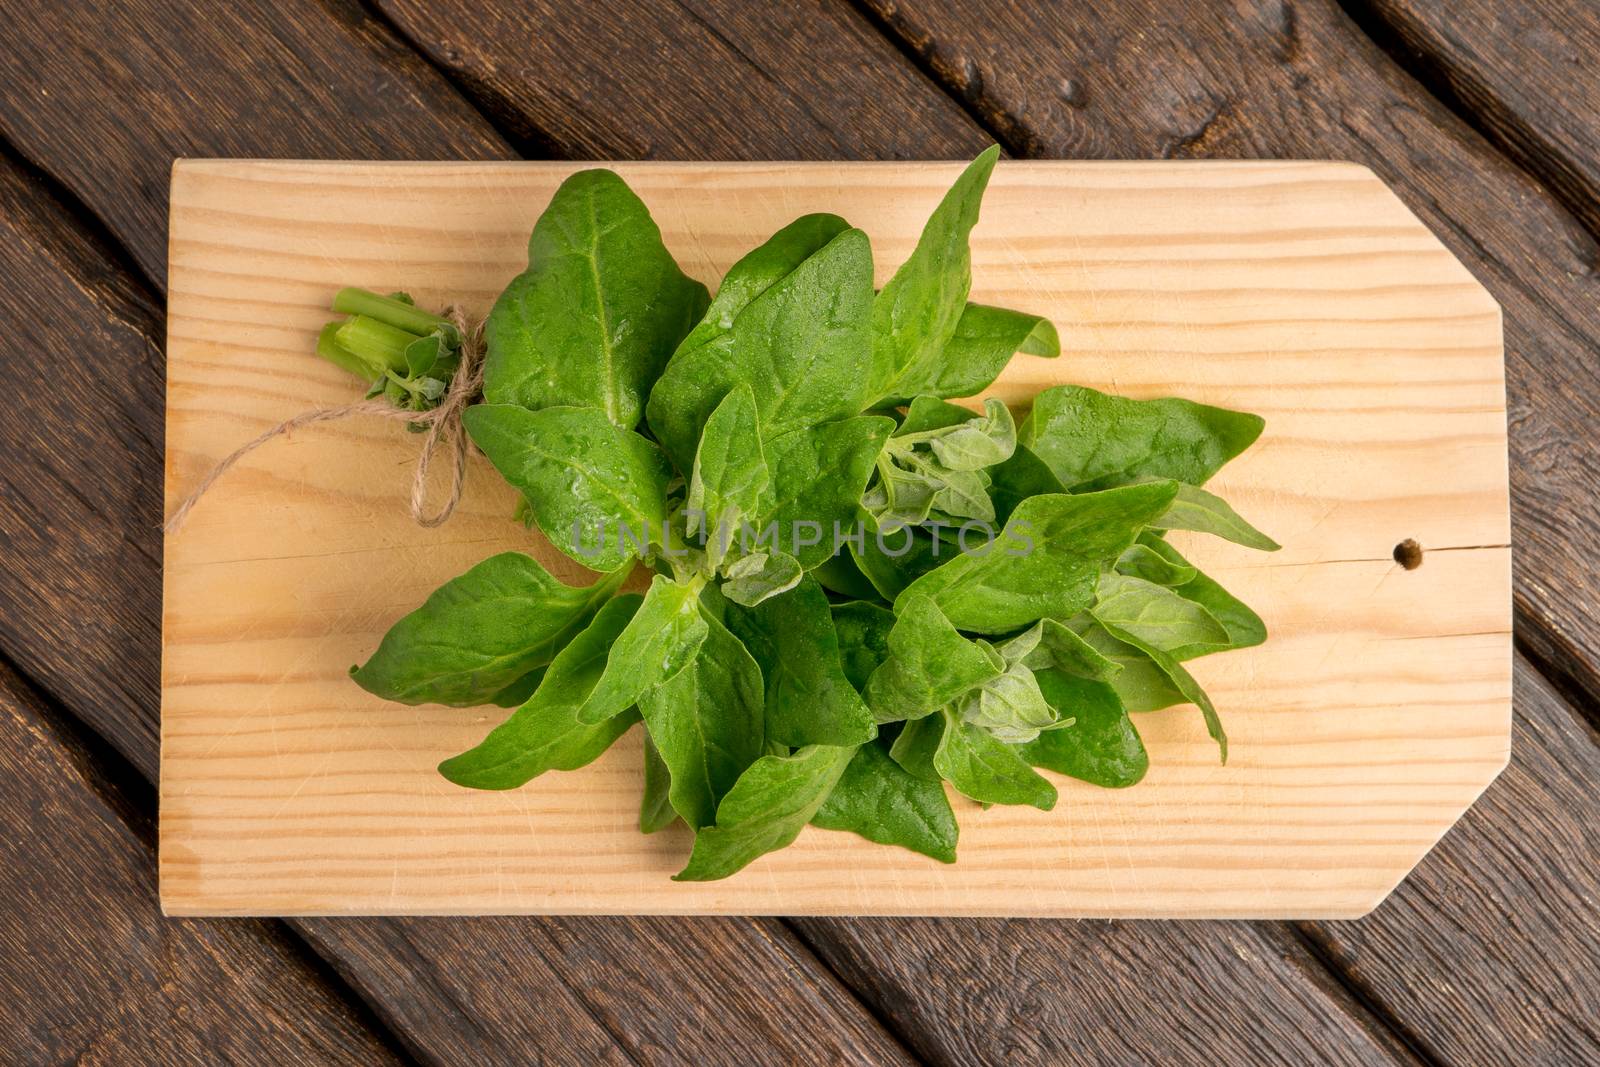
(80, 497)
(1287, 289)
(696, 79)
(589, 974)
(1523, 72)
(1265, 79)
(292, 78)
(80, 503)
(987, 991)
(91, 972)
(1490, 951)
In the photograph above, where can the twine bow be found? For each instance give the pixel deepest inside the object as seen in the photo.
(443, 422)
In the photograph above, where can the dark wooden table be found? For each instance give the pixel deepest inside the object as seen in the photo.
(1483, 115)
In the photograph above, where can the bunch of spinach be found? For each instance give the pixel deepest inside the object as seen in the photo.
(949, 596)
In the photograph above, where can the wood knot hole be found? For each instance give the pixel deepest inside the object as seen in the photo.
(1408, 554)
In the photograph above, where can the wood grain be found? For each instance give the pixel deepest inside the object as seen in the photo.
(1523, 72)
(1490, 951)
(84, 619)
(990, 991)
(90, 971)
(691, 79)
(1373, 717)
(1268, 79)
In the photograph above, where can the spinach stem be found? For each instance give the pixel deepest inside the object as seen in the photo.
(387, 310)
(378, 343)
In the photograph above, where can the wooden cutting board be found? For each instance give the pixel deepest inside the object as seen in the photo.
(1375, 714)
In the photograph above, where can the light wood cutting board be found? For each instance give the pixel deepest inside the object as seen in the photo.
(1371, 719)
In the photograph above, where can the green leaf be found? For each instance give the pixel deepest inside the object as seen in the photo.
(1052, 645)
(766, 810)
(1046, 561)
(544, 734)
(926, 413)
(481, 632)
(809, 700)
(596, 491)
(1102, 746)
(1180, 679)
(880, 801)
(980, 442)
(1140, 683)
(760, 576)
(988, 770)
(517, 693)
(800, 346)
(914, 747)
(1154, 614)
(818, 474)
(1142, 561)
(915, 315)
(730, 473)
(1196, 509)
(892, 557)
(839, 574)
(760, 270)
(1022, 476)
(1092, 440)
(985, 340)
(929, 664)
(655, 804)
(599, 310)
(1244, 626)
(707, 723)
(863, 634)
(662, 639)
(1010, 707)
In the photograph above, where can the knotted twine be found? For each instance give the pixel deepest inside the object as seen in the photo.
(443, 422)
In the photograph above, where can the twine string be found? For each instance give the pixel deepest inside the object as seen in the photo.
(443, 423)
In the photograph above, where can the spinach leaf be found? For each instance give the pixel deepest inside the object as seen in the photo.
(1091, 440)
(988, 770)
(1155, 614)
(863, 635)
(1196, 509)
(880, 801)
(517, 693)
(655, 803)
(984, 341)
(663, 637)
(1142, 561)
(929, 664)
(1053, 645)
(1244, 626)
(1018, 478)
(600, 308)
(544, 734)
(1180, 679)
(1140, 683)
(480, 633)
(915, 315)
(1010, 707)
(706, 722)
(1102, 746)
(598, 492)
(980, 442)
(926, 413)
(766, 810)
(760, 576)
(915, 744)
(809, 701)
(800, 346)
(730, 474)
(894, 555)
(1045, 562)
(839, 574)
(818, 474)
(760, 270)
